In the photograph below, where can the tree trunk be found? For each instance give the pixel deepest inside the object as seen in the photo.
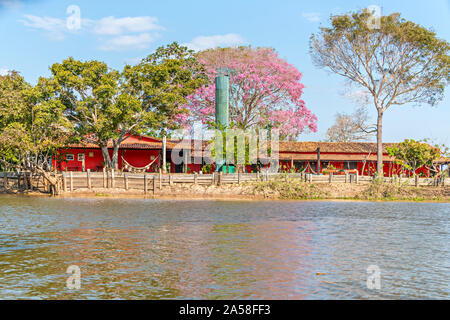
(115, 157)
(380, 144)
(106, 157)
(164, 148)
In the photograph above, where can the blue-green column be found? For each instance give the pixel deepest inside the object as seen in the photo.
(222, 109)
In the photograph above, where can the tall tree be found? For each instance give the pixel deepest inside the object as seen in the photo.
(163, 81)
(351, 127)
(32, 124)
(265, 91)
(106, 105)
(396, 62)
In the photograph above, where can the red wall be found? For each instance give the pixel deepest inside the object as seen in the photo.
(370, 168)
(141, 158)
(94, 159)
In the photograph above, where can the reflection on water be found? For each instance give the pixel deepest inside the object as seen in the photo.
(150, 249)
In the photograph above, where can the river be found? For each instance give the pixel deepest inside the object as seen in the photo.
(173, 249)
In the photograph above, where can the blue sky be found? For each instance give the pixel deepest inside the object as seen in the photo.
(34, 35)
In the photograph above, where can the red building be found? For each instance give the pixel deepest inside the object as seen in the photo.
(352, 156)
(314, 157)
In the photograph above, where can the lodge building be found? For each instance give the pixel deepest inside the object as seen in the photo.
(145, 154)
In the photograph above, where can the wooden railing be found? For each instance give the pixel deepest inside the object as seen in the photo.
(150, 182)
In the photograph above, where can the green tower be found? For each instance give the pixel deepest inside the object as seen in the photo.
(222, 107)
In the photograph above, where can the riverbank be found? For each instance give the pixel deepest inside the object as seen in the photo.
(275, 190)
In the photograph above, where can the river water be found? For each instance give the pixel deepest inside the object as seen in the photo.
(163, 249)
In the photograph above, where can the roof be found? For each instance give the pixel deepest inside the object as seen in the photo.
(331, 157)
(338, 147)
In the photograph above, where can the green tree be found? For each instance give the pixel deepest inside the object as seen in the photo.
(395, 62)
(32, 124)
(163, 81)
(106, 105)
(413, 155)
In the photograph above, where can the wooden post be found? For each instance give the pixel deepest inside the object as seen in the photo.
(195, 178)
(185, 160)
(330, 177)
(71, 180)
(5, 180)
(310, 178)
(125, 178)
(18, 180)
(88, 175)
(220, 178)
(64, 181)
(113, 181)
(160, 179)
(416, 180)
(154, 184)
(170, 179)
(357, 177)
(145, 183)
(25, 181)
(213, 178)
(164, 152)
(319, 169)
(104, 178)
(239, 177)
(346, 177)
(351, 178)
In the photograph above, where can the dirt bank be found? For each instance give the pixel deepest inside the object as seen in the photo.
(275, 190)
(280, 190)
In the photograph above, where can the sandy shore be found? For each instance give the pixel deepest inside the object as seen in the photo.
(260, 192)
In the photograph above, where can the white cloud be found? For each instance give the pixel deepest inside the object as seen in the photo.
(129, 32)
(118, 26)
(54, 27)
(11, 4)
(133, 61)
(361, 97)
(128, 42)
(311, 16)
(207, 42)
(3, 71)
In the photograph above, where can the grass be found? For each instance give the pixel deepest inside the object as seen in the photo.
(289, 189)
(296, 189)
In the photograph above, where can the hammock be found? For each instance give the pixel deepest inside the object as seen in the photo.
(134, 169)
(308, 165)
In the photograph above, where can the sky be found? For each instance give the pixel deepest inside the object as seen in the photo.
(36, 34)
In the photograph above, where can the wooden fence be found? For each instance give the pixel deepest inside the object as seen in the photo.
(150, 182)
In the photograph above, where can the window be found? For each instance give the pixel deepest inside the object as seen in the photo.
(81, 157)
(70, 157)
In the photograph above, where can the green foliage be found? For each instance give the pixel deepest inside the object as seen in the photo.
(106, 105)
(413, 154)
(32, 123)
(289, 189)
(380, 190)
(395, 63)
(207, 168)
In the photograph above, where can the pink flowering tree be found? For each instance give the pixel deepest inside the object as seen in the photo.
(265, 92)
